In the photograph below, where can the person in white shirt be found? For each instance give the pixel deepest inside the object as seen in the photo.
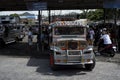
(106, 38)
(30, 37)
(91, 34)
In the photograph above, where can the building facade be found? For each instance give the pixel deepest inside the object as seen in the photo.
(9, 20)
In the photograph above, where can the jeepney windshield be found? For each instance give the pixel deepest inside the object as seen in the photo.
(69, 30)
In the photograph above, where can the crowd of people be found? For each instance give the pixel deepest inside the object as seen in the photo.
(42, 38)
(102, 34)
(95, 35)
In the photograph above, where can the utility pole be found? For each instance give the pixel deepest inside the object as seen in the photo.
(40, 30)
(104, 15)
(49, 17)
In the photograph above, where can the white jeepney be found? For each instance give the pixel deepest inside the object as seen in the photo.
(69, 45)
(10, 33)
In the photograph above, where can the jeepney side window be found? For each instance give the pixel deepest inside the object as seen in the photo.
(77, 30)
(61, 31)
(69, 30)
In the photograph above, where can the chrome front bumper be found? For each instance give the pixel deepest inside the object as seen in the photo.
(73, 63)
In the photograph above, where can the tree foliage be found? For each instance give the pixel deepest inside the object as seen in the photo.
(14, 15)
(96, 15)
(84, 13)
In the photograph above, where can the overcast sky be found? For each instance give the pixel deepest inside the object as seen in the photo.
(55, 12)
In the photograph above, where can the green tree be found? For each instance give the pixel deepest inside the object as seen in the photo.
(84, 13)
(14, 15)
(96, 15)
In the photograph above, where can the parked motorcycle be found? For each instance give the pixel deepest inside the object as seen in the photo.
(108, 50)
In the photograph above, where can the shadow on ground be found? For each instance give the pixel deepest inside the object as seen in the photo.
(40, 60)
(44, 68)
(22, 49)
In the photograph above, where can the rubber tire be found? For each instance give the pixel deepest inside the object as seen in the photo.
(112, 53)
(90, 67)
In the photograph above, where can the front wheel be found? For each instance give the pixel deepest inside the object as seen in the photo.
(90, 66)
(112, 53)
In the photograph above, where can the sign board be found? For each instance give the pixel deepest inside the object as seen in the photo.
(111, 4)
(37, 6)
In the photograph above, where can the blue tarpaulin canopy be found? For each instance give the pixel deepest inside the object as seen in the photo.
(111, 4)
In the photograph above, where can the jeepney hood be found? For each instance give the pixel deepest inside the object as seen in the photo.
(70, 43)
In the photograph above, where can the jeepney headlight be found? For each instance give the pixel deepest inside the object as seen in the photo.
(87, 52)
(90, 49)
(60, 52)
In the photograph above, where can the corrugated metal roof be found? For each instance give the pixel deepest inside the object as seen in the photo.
(15, 5)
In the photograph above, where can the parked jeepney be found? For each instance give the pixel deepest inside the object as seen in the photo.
(9, 34)
(69, 45)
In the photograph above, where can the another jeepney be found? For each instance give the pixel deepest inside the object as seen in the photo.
(69, 45)
(9, 33)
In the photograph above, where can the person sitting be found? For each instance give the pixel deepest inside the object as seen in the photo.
(104, 40)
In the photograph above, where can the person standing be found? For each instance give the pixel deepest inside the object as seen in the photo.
(30, 37)
(91, 36)
(30, 41)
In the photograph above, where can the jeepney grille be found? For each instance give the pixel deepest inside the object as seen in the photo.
(74, 52)
(72, 45)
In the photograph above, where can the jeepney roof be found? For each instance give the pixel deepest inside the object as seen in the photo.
(67, 24)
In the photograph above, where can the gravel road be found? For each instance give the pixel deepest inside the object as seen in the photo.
(18, 68)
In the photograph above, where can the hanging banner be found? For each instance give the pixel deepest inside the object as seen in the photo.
(37, 6)
(111, 4)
